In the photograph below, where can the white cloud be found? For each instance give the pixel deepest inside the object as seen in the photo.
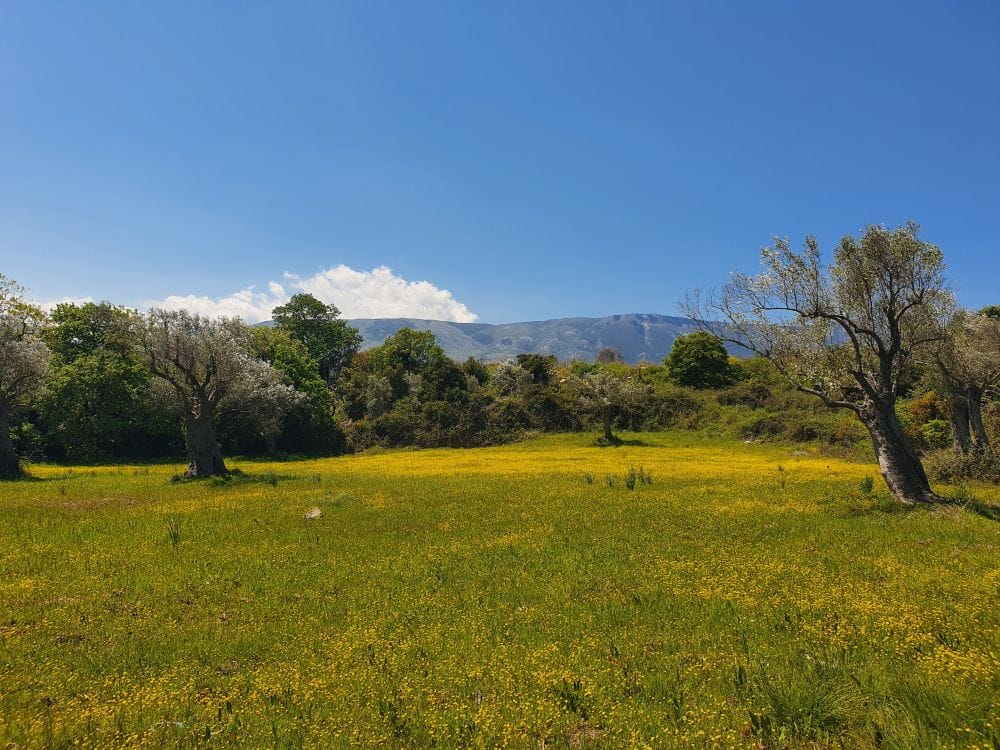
(378, 293)
(51, 304)
(382, 294)
(248, 304)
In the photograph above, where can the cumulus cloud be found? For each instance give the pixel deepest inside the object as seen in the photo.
(251, 305)
(378, 293)
(382, 294)
(52, 304)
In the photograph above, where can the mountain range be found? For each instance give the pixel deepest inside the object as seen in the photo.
(638, 337)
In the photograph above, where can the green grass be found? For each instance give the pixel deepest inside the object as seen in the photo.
(747, 596)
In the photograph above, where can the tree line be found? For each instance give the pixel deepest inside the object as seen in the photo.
(876, 334)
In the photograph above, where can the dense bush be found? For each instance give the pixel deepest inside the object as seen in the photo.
(950, 465)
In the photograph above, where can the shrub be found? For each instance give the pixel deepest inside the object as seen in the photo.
(754, 424)
(935, 433)
(752, 393)
(926, 408)
(673, 406)
(949, 465)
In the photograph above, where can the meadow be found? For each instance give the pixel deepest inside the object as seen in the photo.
(537, 595)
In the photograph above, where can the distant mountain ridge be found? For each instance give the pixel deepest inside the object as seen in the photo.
(639, 337)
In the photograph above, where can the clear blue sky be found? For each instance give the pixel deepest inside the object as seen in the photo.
(536, 159)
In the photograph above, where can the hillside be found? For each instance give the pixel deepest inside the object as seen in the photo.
(638, 337)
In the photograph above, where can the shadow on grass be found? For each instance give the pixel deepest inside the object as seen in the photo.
(27, 477)
(616, 442)
(235, 477)
(986, 510)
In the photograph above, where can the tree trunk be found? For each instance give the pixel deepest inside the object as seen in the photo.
(606, 421)
(203, 448)
(897, 459)
(958, 415)
(271, 443)
(975, 406)
(10, 466)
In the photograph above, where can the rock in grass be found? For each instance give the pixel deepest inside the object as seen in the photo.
(313, 514)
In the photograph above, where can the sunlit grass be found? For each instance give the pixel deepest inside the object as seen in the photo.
(750, 595)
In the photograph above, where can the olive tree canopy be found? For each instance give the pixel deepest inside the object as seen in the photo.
(24, 363)
(209, 366)
(847, 332)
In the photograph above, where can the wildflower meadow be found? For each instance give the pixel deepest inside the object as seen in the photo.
(674, 591)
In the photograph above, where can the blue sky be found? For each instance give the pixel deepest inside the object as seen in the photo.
(535, 160)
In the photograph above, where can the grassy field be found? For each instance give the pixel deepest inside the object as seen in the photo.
(522, 596)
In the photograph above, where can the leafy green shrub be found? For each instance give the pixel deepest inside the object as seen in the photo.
(935, 433)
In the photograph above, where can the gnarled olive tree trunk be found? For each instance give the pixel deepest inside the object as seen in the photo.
(203, 448)
(958, 416)
(975, 400)
(10, 466)
(965, 406)
(897, 458)
(606, 419)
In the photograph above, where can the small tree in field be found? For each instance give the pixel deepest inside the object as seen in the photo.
(209, 368)
(24, 363)
(603, 397)
(846, 333)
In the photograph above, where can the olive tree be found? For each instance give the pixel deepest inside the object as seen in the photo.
(847, 332)
(968, 360)
(603, 396)
(209, 368)
(24, 363)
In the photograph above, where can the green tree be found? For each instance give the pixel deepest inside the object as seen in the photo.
(541, 367)
(96, 396)
(92, 405)
(328, 339)
(699, 360)
(77, 330)
(416, 366)
(24, 363)
(309, 427)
